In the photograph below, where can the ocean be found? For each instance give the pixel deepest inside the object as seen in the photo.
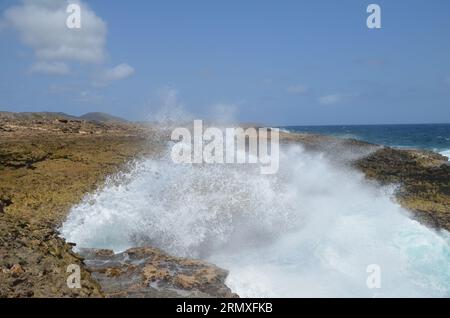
(434, 137)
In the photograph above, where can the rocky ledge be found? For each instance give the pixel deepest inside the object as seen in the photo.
(149, 272)
(34, 259)
(422, 177)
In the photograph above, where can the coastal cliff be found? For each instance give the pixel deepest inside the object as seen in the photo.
(49, 162)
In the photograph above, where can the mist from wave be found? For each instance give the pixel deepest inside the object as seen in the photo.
(309, 230)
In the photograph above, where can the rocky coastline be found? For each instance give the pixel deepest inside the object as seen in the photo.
(48, 162)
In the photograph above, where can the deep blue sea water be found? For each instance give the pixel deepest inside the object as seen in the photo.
(434, 137)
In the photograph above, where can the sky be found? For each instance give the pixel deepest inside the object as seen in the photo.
(273, 62)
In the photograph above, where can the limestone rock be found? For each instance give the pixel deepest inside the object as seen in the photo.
(149, 272)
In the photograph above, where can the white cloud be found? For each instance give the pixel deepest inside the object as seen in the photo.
(330, 99)
(58, 68)
(297, 89)
(335, 98)
(42, 26)
(116, 73)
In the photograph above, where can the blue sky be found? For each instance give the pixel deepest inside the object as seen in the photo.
(276, 62)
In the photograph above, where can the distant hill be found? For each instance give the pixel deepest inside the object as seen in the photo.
(102, 117)
(36, 115)
(95, 116)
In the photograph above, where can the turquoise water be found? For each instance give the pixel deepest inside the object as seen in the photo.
(434, 137)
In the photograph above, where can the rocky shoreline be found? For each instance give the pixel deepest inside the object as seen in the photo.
(46, 165)
(49, 162)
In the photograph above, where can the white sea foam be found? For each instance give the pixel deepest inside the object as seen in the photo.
(310, 230)
(284, 130)
(446, 153)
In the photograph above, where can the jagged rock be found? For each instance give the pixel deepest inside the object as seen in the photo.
(4, 202)
(33, 261)
(16, 270)
(149, 272)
